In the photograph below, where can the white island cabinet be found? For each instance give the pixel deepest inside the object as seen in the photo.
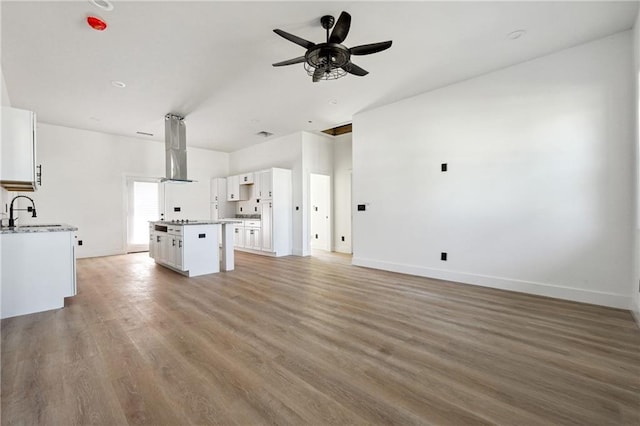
(38, 268)
(193, 248)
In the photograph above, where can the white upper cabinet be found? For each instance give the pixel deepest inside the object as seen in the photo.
(245, 179)
(19, 171)
(263, 185)
(218, 189)
(235, 191)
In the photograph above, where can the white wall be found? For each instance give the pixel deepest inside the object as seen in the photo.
(317, 157)
(635, 282)
(541, 172)
(84, 182)
(5, 100)
(342, 160)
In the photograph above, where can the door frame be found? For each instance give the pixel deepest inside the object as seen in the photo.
(126, 202)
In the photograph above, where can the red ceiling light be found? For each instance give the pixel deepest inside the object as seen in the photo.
(96, 23)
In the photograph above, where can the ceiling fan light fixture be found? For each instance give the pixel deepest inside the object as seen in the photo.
(327, 74)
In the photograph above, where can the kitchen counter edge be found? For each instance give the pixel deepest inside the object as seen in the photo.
(200, 222)
(37, 229)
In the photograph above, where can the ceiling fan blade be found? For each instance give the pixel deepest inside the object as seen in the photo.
(368, 49)
(297, 60)
(341, 29)
(317, 74)
(297, 40)
(352, 68)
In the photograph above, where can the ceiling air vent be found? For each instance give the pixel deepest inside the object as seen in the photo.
(264, 133)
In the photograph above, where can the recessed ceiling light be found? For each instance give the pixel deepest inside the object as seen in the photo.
(102, 4)
(118, 84)
(514, 35)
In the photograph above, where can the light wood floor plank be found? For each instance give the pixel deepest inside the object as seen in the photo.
(313, 341)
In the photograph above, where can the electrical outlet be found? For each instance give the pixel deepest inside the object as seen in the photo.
(316, 236)
(342, 238)
(443, 256)
(443, 167)
(362, 207)
(297, 208)
(176, 209)
(79, 242)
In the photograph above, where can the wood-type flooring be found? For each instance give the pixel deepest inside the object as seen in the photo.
(313, 341)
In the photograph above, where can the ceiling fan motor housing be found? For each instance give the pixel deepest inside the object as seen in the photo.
(328, 55)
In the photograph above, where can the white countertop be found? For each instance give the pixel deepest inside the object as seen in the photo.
(197, 222)
(29, 229)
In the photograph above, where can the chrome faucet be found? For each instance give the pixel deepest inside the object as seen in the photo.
(32, 208)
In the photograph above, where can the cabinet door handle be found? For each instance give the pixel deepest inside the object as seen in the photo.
(157, 238)
(173, 243)
(269, 193)
(179, 243)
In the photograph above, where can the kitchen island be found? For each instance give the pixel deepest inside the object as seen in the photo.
(192, 248)
(38, 268)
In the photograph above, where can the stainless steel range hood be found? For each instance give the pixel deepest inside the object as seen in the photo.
(175, 140)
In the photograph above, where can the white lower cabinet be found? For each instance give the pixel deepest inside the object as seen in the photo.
(176, 252)
(267, 226)
(252, 238)
(162, 249)
(190, 249)
(238, 236)
(37, 270)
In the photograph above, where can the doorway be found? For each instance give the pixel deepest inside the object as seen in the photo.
(143, 205)
(320, 218)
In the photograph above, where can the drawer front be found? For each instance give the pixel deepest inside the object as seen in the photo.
(252, 224)
(175, 230)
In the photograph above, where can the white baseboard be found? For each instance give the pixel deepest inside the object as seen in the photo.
(540, 289)
(98, 253)
(342, 248)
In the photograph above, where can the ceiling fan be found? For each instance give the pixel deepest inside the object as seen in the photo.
(331, 60)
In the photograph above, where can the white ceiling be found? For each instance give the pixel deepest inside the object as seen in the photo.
(211, 61)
